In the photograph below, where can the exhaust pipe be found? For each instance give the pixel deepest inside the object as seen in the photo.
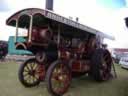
(49, 5)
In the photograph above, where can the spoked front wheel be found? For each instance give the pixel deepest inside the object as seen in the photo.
(31, 73)
(58, 78)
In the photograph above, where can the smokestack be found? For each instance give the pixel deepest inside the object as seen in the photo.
(126, 21)
(77, 19)
(49, 5)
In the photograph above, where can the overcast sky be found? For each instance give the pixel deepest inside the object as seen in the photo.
(105, 16)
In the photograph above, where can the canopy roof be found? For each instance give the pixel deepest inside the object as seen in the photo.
(40, 16)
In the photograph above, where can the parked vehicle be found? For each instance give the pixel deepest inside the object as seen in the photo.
(18, 49)
(124, 62)
(63, 49)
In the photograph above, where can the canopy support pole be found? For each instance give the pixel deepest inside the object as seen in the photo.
(58, 36)
(16, 31)
(30, 29)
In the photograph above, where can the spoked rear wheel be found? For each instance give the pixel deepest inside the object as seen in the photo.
(31, 73)
(58, 78)
(101, 65)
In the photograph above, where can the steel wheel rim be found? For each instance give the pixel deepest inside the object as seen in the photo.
(60, 79)
(30, 73)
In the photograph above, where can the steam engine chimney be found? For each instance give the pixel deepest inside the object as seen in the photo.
(49, 5)
(126, 21)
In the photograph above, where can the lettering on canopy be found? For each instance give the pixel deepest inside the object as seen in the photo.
(69, 22)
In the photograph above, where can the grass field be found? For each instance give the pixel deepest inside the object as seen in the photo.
(83, 86)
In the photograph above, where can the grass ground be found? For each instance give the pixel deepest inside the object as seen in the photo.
(83, 86)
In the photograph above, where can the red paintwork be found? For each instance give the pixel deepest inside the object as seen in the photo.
(80, 66)
(41, 72)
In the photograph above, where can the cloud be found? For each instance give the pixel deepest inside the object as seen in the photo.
(5, 31)
(112, 4)
(17, 5)
(3, 6)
